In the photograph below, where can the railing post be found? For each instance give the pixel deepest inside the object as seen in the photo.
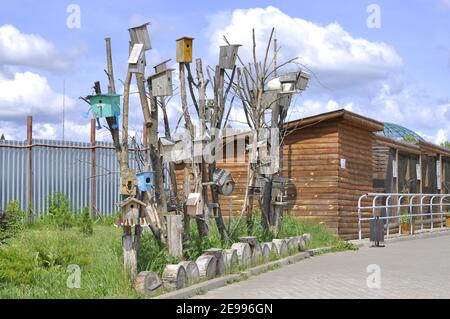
(30, 168)
(93, 160)
(387, 215)
(411, 212)
(399, 206)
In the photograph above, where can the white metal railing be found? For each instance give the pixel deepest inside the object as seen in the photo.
(438, 206)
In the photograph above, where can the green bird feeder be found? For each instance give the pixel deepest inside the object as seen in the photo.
(105, 105)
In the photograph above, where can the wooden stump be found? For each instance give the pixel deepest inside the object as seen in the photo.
(244, 253)
(292, 244)
(232, 258)
(174, 276)
(129, 255)
(272, 249)
(282, 248)
(265, 250)
(257, 257)
(174, 235)
(307, 238)
(206, 266)
(192, 272)
(147, 282)
(251, 240)
(221, 267)
(301, 243)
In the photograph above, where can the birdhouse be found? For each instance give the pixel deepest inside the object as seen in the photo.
(136, 60)
(194, 204)
(129, 209)
(224, 181)
(145, 181)
(227, 56)
(161, 66)
(184, 50)
(302, 81)
(288, 82)
(105, 105)
(139, 34)
(167, 146)
(128, 183)
(162, 83)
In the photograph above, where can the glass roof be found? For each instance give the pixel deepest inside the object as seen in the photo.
(398, 132)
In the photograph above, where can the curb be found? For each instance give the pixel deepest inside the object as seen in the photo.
(229, 279)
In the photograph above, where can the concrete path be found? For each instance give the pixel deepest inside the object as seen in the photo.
(407, 269)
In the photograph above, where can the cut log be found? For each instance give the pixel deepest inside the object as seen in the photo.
(174, 276)
(192, 272)
(257, 257)
(147, 282)
(273, 252)
(232, 258)
(292, 244)
(174, 235)
(206, 266)
(129, 255)
(244, 253)
(251, 240)
(265, 250)
(282, 248)
(307, 238)
(221, 267)
(301, 243)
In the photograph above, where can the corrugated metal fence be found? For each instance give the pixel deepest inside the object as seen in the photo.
(60, 167)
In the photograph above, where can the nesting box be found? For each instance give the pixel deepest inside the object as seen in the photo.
(128, 183)
(228, 54)
(302, 81)
(105, 105)
(224, 181)
(139, 34)
(136, 60)
(184, 50)
(167, 146)
(145, 181)
(161, 66)
(288, 82)
(129, 209)
(194, 204)
(162, 83)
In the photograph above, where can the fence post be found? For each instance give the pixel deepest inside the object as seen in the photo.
(93, 159)
(30, 168)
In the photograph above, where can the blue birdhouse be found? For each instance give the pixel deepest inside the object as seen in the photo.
(105, 105)
(145, 181)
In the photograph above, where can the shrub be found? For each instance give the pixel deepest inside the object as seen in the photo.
(11, 221)
(59, 213)
(85, 223)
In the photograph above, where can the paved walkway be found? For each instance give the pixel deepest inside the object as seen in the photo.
(408, 269)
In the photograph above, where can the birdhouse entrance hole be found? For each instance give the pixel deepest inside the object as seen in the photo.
(129, 185)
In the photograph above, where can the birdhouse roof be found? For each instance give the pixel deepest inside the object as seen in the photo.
(164, 62)
(193, 199)
(140, 26)
(130, 200)
(185, 38)
(163, 72)
(166, 141)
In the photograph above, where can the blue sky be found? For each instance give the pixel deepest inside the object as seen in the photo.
(399, 72)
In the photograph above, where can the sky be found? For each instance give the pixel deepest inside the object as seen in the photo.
(389, 60)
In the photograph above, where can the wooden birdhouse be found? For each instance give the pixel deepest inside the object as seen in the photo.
(224, 182)
(161, 66)
(288, 82)
(145, 181)
(140, 34)
(105, 105)
(184, 50)
(166, 145)
(162, 83)
(228, 55)
(194, 204)
(302, 81)
(136, 60)
(128, 183)
(129, 209)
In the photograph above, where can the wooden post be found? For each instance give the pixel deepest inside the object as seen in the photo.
(93, 161)
(112, 86)
(174, 235)
(30, 168)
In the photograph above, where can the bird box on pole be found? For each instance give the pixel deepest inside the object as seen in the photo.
(184, 50)
(128, 182)
(136, 60)
(161, 66)
(227, 56)
(162, 83)
(140, 34)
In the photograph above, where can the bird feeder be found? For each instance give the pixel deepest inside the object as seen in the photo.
(227, 56)
(139, 34)
(161, 66)
(105, 105)
(128, 183)
(224, 182)
(184, 50)
(145, 181)
(136, 60)
(162, 83)
(194, 204)
(129, 209)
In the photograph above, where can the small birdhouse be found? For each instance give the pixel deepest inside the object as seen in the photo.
(224, 181)
(105, 105)
(136, 60)
(184, 50)
(302, 81)
(162, 83)
(288, 82)
(129, 209)
(161, 66)
(145, 181)
(227, 56)
(167, 146)
(194, 204)
(128, 183)
(139, 34)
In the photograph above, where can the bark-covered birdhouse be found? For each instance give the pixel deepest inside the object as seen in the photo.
(194, 204)
(140, 34)
(184, 50)
(228, 55)
(129, 209)
(162, 83)
(224, 182)
(105, 105)
(145, 181)
(128, 183)
(136, 60)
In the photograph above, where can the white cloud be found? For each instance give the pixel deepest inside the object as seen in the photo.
(442, 136)
(29, 50)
